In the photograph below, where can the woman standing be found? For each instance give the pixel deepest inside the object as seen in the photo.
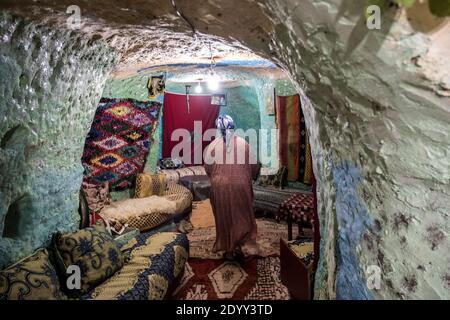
(231, 167)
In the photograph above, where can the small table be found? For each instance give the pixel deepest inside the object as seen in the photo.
(200, 186)
(299, 208)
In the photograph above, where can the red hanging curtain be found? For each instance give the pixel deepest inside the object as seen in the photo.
(178, 116)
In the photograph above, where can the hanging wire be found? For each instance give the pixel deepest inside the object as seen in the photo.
(182, 16)
(212, 60)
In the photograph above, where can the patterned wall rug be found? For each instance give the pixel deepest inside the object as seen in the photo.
(255, 279)
(119, 141)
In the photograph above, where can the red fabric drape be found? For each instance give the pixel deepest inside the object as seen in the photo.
(177, 116)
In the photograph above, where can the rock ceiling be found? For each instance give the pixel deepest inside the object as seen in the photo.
(149, 32)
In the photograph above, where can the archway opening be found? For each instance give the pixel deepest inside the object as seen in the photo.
(363, 91)
(266, 110)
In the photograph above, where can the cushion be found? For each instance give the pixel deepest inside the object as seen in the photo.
(171, 175)
(156, 261)
(141, 213)
(33, 278)
(180, 195)
(268, 171)
(93, 250)
(198, 170)
(185, 172)
(170, 163)
(150, 185)
(126, 236)
(277, 180)
(175, 174)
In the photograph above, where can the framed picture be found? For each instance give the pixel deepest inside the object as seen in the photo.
(219, 100)
(156, 86)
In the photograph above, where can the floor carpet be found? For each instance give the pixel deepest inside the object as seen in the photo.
(203, 236)
(209, 277)
(202, 216)
(254, 279)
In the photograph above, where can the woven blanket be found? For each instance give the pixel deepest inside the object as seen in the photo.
(119, 141)
(294, 148)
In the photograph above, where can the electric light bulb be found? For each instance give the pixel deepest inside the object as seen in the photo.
(213, 84)
(198, 88)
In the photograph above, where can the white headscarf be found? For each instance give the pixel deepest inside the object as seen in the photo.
(225, 125)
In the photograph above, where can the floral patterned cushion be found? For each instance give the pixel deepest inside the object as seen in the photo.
(33, 278)
(171, 175)
(93, 250)
(156, 261)
(277, 180)
(183, 172)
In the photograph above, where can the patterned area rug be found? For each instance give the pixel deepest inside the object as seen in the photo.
(255, 279)
(208, 276)
(119, 140)
(268, 239)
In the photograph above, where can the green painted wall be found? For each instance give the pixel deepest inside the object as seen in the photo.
(284, 87)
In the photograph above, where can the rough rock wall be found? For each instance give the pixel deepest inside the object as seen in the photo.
(378, 108)
(50, 82)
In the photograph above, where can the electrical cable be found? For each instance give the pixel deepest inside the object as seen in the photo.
(182, 16)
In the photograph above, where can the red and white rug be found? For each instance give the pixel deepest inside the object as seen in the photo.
(208, 276)
(214, 279)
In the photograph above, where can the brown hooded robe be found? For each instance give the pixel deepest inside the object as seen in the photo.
(232, 193)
